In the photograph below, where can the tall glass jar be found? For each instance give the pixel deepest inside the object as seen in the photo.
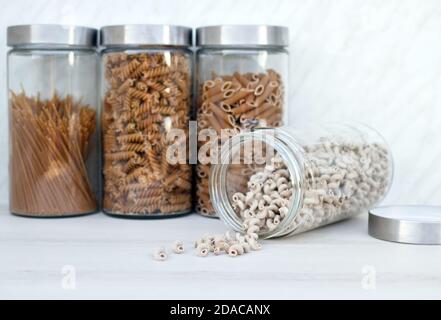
(53, 141)
(242, 75)
(294, 180)
(146, 87)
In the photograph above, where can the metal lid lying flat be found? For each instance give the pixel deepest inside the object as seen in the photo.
(52, 35)
(163, 35)
(242, 35)
(406, 224)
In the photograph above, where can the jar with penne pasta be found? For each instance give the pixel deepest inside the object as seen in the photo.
(242, 74)
(147, 92)
(53, 99)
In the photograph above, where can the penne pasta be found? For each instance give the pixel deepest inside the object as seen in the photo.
(231, 104)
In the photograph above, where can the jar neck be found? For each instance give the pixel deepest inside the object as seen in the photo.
(152, 48)
(32, 47)
(280, 49)
(292, 154)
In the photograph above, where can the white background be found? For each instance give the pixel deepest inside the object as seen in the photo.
(374, 61)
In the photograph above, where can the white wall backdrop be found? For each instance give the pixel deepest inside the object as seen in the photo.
(376, 61)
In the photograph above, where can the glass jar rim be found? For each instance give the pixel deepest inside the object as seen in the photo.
(242, 35)
(146, 35)
(52, 36)
(287, 148)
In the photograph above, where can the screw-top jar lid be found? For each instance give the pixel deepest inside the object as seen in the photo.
(162, 35)
(52, 35)
(242, 35)
(406, 224)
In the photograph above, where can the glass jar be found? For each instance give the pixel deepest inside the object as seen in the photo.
(242, 75)
(294, 180)
(53, 141)
(147, 86)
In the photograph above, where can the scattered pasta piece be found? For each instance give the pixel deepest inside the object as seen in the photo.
(203, 250)
(160, 254)
(178, 247)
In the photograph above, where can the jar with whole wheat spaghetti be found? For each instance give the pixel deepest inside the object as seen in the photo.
(241, 85)
(147, 82)
(53, 85)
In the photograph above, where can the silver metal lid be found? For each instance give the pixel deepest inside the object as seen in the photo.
(52, 35)
(242, 35)
(162, 35)
(406, 224)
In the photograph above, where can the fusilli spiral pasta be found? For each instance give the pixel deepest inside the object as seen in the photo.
(148, 94)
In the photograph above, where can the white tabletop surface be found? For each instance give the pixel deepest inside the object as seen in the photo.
(101, 257)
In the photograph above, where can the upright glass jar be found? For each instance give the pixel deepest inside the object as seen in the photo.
(147, 86)
(53, 141)
(242, 75)
(294, 180)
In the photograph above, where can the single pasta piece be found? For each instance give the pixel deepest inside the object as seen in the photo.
(203, 250)
(178, 247)
(159, 254)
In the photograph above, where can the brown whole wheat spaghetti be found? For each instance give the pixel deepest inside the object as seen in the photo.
(49, 147)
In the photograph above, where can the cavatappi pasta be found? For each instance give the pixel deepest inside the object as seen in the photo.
(49, 146)
(148, 95)
(231, 104)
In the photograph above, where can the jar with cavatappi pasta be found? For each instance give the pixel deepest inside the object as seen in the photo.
(53, 140)
(242, 74)
(147, 98)
(299, 179)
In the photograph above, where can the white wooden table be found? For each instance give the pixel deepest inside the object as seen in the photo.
(102, 257)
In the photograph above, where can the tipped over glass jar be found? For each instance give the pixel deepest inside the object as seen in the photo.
(284, 181)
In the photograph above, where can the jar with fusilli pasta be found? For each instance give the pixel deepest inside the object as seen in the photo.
(53, 101)
(242, 74)
(147, 92)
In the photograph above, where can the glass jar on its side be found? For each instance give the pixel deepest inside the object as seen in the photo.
(53, 141)
(147, 92)
(241, 84)
(295, 180)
